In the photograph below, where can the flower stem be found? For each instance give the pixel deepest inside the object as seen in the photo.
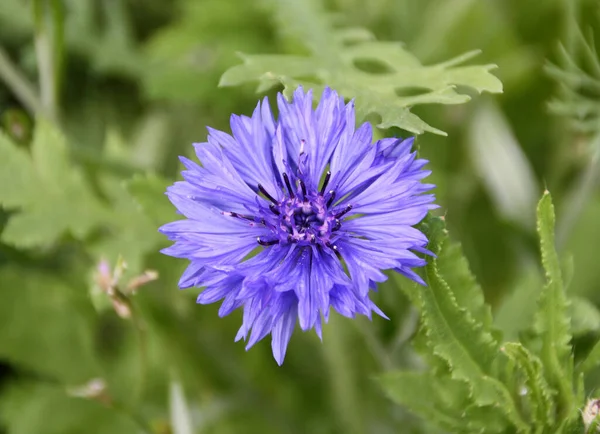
(19, 84)
(345, 395)
(141, 336)
(49, 48)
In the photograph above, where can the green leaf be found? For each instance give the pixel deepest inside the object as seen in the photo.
(538, 395)
(129, 232)
(453, 334)
(454, 268)
(384, 77)
(137, 208)
(50, 193)
(552, 321)
(422, 393)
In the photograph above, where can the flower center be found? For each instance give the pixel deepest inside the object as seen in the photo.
(302, 217)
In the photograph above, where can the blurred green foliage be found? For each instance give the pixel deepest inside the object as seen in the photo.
(128, 85)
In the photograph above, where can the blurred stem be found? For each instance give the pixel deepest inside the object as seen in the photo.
(142, 341)
(19, 84)
(49, 49)
(345, 399)
(580, 194)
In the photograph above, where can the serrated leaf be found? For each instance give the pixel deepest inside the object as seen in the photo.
(552, 321)
(454, 268)
(478, 419)
(50, 193)
(420, 392)
(538, 395)
(334, 56)
(453, 334)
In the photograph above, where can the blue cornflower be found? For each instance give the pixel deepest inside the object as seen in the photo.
(287, 218)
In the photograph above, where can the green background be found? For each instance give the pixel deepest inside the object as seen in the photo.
(136, 84)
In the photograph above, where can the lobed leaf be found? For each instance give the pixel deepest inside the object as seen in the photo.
(129, 231)
(51, 194)
(384, 78)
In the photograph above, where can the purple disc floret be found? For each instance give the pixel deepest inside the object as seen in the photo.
(278, 208)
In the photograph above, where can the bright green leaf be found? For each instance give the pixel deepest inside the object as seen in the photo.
(137, 208)
(421, 392)
(552, 321)
(384, 77)
(453, 334)
(129, 232)
(454, 268)
(538, 395)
